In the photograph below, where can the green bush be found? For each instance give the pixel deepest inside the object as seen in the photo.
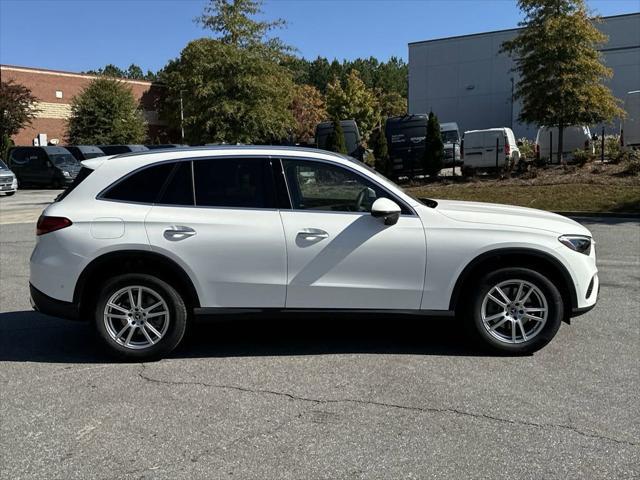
(582, 157)
(527, 149)
(612, 148)
(632, 162)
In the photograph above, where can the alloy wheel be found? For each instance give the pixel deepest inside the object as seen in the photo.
(514, 311)
(136, 317)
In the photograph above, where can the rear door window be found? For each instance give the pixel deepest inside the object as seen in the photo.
(234, 183)
(179, 187)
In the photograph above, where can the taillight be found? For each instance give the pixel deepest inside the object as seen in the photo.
(51, 224)
(462, 150)
(537, 151)
(507, 149)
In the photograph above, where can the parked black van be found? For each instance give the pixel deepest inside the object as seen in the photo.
(43, 166)
(116, 149)
(406, 143)
(84, 152)
(351, 136)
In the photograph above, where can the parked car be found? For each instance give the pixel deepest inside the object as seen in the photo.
(157, 239)
(8, 181)
(43, 166)
(479, 148)
(118, 149)
(451, 139)
(573, 138)
(163, 146)
(406, 140)
(630, 132)
(84, 152)
(351, 136)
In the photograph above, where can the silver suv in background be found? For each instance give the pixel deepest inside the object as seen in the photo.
(8, 181)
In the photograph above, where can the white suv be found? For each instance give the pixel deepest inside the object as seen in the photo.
(143, 243)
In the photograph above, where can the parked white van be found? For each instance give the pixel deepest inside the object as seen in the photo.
(630, 134)
(574, 138)
(479, 148)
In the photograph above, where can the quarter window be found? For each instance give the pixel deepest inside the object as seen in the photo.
(322, 186)
(234, 182)
(143, 186)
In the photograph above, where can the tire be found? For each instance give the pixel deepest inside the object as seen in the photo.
(128, 333)
(8, 194)
(512, 328)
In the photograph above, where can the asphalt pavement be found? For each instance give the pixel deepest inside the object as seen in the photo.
(333, 399)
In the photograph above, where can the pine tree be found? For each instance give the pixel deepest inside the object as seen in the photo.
(335, 140)
(434, 148)
(378, 143)
(561, 71)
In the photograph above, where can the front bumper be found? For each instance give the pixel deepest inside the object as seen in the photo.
(50, 306)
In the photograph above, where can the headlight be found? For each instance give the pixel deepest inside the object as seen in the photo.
(578, 243)
(66, 174)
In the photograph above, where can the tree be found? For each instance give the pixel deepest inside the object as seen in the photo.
(308, 109)
(434, 148)
(378, 143)
(233, 23)
(17, 108)
(392, 104)
(354, 100)
(134, 72)
(106, 112)
(230, 94)
(561, 71)
(336, 141)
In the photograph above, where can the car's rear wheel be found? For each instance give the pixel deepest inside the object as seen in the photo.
(515, 310)
(140, 317)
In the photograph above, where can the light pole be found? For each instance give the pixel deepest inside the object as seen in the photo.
(512, 88)
(181, 119)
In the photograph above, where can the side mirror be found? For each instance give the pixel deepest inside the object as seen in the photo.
(387, 209)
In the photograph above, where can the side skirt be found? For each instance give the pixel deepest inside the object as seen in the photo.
(213, 314)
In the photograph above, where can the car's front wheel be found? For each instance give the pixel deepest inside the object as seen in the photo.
(515, 310)
(140, 317)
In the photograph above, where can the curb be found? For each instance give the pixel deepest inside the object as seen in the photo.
(631, 215)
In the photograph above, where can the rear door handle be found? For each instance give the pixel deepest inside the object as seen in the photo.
(313, 233)
(178, 232)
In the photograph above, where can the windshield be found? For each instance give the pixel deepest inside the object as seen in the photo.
(63, 159)
(3, 166)
(450, 136)
(89, 155)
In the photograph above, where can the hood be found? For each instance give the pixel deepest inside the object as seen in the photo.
(508, 215)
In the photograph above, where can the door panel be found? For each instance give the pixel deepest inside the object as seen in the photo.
(354, 262)
(489, 156)
(237, 255)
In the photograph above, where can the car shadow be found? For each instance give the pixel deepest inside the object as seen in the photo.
(27, 336)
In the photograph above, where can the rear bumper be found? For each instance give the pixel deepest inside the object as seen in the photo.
(51, 306)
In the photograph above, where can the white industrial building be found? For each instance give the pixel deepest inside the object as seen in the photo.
(467, 80)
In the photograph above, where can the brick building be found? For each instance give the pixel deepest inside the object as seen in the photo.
(55, 90)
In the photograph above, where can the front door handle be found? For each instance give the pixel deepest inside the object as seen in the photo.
(312, 233)
(178, 232)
